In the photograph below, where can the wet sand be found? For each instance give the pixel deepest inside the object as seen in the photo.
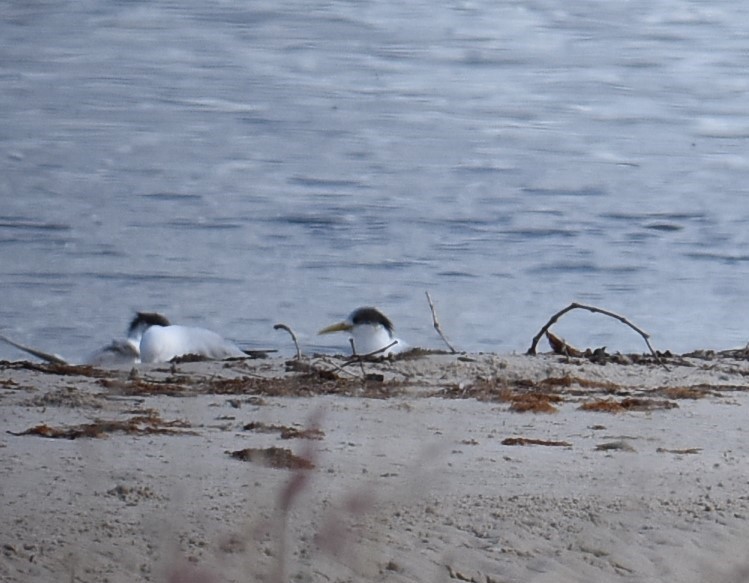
(468, 467)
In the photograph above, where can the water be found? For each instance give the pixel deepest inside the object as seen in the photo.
(238, 164)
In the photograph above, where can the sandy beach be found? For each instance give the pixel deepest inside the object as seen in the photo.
(442, 467)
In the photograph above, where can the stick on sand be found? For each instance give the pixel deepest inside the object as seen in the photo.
(575, 305)
(436, 323)
(293, 337)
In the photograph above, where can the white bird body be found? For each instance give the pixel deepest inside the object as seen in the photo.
(163, 343)
(371, 332)
(375, 338)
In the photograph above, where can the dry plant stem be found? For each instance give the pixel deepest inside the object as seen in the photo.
(337, 367)
(362, 357)
(575, 305)
(355, 356)
(293, 337)
(436, 323)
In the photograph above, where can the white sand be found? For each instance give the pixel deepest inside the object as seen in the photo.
(411, 487)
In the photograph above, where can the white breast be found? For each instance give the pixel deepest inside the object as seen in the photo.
(370, 338)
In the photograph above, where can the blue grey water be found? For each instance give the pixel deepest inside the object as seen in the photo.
(238, 164)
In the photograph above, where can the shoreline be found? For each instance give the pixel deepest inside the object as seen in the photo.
(446, 467)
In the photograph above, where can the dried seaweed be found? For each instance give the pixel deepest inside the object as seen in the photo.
(55, 368)
(560, 346)
(620, 445)
(571, 381)
(697, 392)
(273, 457)
(632, 404)
(533, 402)
(304, 385)
(150, 424)
(538, 405)
(689, 450)
(138, 388)
(531, 441)
(285, 431)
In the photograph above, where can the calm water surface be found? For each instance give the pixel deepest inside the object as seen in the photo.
(238, 164)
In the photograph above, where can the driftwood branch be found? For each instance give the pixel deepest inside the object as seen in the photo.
(293, 337)
(436, 323)
(575, 305)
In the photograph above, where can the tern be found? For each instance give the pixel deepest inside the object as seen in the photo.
(371, 331)
(120, 351)
(163, 343)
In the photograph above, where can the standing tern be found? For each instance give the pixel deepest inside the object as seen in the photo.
(371, 331)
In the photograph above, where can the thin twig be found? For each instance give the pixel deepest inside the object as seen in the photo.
(293, 337)
(337, 367)
(362, 357)
(575, 305)
(436, 323)
(356, 357)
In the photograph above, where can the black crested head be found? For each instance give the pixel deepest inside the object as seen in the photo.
(369, 315)
(144, 320)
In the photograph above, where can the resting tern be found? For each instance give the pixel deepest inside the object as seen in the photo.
(371, 331)
(163, 343)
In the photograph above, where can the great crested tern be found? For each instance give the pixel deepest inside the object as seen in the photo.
(128, 351)
(372, 332)
(163, 343)
(120, 351)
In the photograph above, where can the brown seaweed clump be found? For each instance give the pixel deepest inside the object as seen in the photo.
(285, 431)
(273, 457)
(632, 404)
(149, 423)
(531, 441)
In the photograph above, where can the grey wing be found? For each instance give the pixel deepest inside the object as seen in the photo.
(45, 356)
(117, 352)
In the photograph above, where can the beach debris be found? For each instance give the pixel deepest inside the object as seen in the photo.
(66, 396)
(694, 392)
(194, 357)
(284, 431)
(534, 403)
(436, 324)
(131, 495)
(621, 445)
(531, 441)
(596, 355)
(688, 450)
(560, 346)
(293, 338)
(459, 576)
(149, 423)
(62, 369)
(569, 382)
(273, 457)
(524, 396)
(629, 404)
(595, 310)
(316, 382)
(141, 388)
